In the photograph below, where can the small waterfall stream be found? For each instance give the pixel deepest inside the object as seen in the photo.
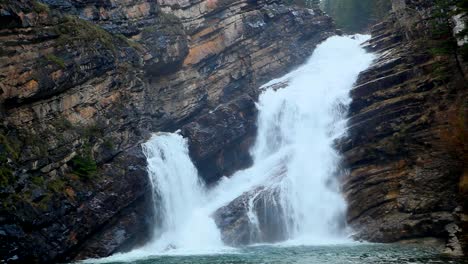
(291, 188)
(179, 196)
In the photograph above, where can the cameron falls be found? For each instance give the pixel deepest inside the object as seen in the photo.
(233, 131)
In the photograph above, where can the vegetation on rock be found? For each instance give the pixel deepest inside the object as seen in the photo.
(442, 28)
(73, 29)
(55, 59)
(40, 7)
(84, 166)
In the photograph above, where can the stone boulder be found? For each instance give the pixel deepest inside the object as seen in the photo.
(254, 217)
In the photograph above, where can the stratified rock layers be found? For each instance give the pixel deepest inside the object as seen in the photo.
(83, 83)
(406, 147)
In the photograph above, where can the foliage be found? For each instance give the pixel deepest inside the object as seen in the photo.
(84, 166)
(61, 123)
(56, 185)
(356, 15)
(167, 24)
(5, 175)
(39, 7)
(108, 143)
(8, 147)
(130, 42)
(92, 131)
(442, 28)
(37, 180)
(73, 29)
(58, 61)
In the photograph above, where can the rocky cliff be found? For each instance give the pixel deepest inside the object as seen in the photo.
(406, 147)
(83, 83)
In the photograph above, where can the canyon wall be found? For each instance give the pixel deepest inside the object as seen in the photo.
(406, 148)
(83, 83)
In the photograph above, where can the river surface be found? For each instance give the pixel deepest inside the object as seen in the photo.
(332, 254)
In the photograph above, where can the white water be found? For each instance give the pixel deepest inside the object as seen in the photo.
(181, 196)
(293, 154)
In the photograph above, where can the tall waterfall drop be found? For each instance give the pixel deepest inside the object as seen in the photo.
(291, 192)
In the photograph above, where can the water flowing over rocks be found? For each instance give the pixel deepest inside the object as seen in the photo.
(405, 147)
(83, 83)
(236, 225)
(295, 196)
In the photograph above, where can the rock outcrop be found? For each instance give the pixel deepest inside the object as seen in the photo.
(406, 148)
(236, 223)
(232, 124)
(83, 83)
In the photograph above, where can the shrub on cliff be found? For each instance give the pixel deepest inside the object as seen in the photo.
(444, 43)
(84, 166)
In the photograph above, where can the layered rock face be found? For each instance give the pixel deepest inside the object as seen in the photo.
(83, 83)
(406, 147)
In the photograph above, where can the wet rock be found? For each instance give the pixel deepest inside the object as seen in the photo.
(254, 217)
(219, 141)
(405, 169)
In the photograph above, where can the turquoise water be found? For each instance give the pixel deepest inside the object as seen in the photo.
(342, 254)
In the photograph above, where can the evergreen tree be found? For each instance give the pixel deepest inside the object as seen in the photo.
(356, 15)
(443, 41)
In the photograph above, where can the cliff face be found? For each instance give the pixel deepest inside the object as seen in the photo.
(406, 147)
(83, 83)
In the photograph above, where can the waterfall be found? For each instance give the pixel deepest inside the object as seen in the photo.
(295, 163)
(178, 197)
(291, 190)
(300, 123)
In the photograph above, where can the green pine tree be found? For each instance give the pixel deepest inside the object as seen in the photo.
(356, 15)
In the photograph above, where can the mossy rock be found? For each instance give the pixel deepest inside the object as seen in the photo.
(36, 143)
(38, 180)
(55, 60)
(9, 146)
(167, 24)
(62, 124)
(56, 185)
(108, 143)
(84, 166)
(6, 176)
(135, 45)
(73, 30)
(39, 7)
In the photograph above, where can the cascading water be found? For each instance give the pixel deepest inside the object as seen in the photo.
(290, 185)
(179, 196)
(294, 158)
(305, 118)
